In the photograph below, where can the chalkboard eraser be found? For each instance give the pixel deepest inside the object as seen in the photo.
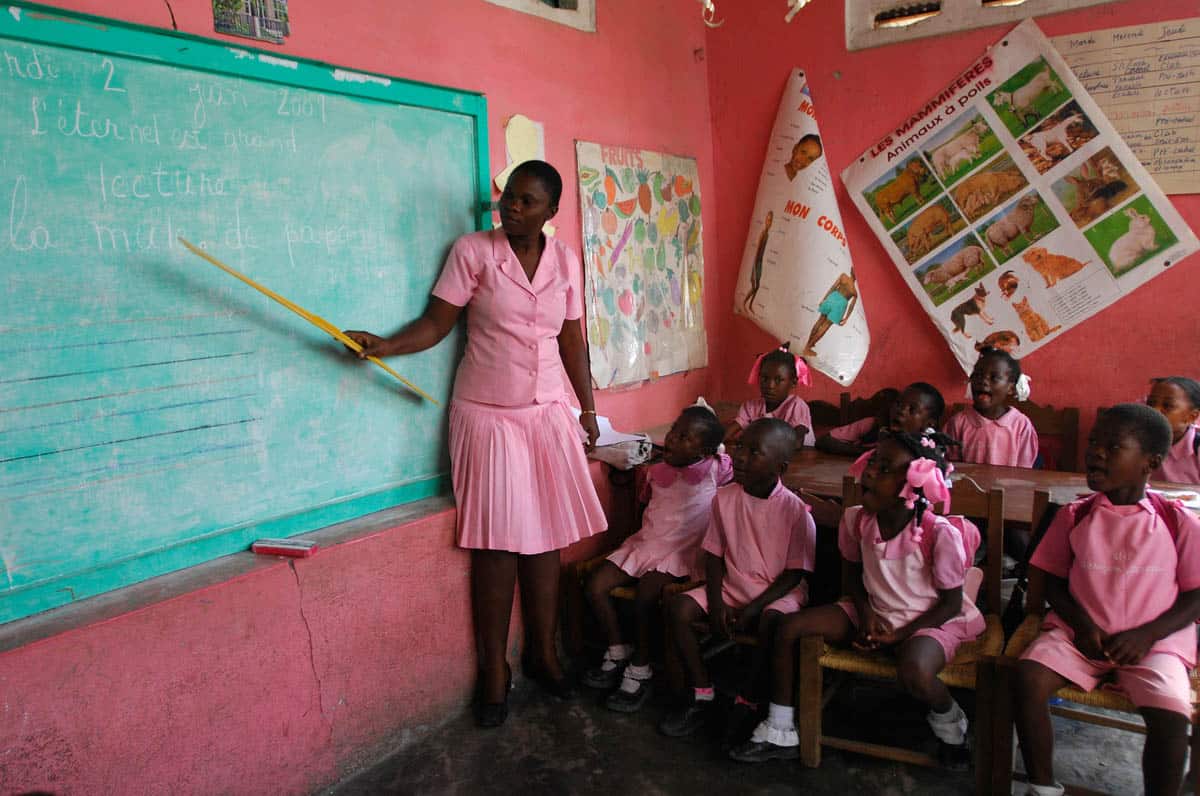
(293, 548)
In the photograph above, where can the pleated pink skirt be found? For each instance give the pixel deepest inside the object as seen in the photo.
(521, 478)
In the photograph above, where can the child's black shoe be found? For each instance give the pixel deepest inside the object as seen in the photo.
(684, 721)
(605, 679)
(955, 757)
(760, 751)
(624, 701)
(740, 722)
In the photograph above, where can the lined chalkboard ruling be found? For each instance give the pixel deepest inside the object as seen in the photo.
(315, 320)
(154, 414)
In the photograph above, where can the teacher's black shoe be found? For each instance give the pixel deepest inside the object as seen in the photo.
(491, 714)
(561, 687)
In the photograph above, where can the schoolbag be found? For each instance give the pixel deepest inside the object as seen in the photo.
(1014, 612)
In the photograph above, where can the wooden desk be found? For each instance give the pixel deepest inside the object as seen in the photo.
(821, 474)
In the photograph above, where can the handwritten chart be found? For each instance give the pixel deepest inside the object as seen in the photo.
(154, 412)
(1146, 78)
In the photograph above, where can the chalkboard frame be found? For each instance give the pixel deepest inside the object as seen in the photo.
(38, 24)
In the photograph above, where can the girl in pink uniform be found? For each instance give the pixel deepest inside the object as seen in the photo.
(759, 549)
(517, 462)
(1123, 583)
(991, 431)
(919, 407)
(776, 373)
(909, 568)
(1177, 398)
(666, 549)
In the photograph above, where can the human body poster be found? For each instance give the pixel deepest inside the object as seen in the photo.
(1011, 206)
(644, 263)
(796, 280)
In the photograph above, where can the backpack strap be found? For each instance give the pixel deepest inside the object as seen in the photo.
(1165, 508)
(1196, 443)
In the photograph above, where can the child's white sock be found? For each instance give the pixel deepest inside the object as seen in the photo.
(616, 654)
(951, 726)
(781, 717)
(635, 676)
(1044, 790)
(704, 694)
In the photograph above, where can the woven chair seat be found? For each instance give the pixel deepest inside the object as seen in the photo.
(960, 673)
(1101, 697)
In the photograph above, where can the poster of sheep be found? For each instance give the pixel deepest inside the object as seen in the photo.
(796, 280)
(1010, 204)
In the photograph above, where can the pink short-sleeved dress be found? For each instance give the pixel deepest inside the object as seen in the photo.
(759, 538)
(1182, 465)
(902, 575)
(1008, 440)
(793, 411)
(855, 433)
(675, 519)
(1124, 568)
(517, 462)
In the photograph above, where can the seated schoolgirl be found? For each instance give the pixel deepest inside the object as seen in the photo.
(667, 548)
(1177, 398)
(1122, 574)
(909, 566)
(990, 430)
(759, 550)
(776, 373)
(920, 406)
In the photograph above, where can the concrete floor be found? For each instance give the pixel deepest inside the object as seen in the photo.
(548, 747)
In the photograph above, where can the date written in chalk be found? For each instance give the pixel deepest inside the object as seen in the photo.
(293, 548)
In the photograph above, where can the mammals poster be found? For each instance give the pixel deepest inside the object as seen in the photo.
(1011, 206)
(796, 280)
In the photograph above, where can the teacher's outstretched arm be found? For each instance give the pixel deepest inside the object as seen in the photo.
(572, 348)
(425, 332)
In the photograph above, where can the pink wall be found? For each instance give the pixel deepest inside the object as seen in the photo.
(277, 681)
(1106, 359)
(639, 81)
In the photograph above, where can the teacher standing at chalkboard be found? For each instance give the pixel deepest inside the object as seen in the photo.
(520, 476)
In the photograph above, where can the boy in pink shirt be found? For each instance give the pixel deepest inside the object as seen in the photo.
(760, 547)
(1123, 583)
(776, 373)
(1177, 398)
(991, 431)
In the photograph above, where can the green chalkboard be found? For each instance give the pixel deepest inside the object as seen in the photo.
(154, 412)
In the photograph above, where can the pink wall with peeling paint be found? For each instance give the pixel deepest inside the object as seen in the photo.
(1105, 360)
(278, 680)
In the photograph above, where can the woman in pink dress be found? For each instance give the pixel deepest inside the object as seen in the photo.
(518, 467)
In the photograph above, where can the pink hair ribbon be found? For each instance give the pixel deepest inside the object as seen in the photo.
(924, 475)
(802, 373)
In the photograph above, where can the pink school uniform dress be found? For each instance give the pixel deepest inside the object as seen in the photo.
(1009, 440)
(793, 411)
(1182, 465)
(903, 574)
(517, 463)
(1123, 567)
(854, 433)
(759, 538)
(675, 519)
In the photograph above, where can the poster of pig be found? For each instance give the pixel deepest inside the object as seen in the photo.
(1011, 206)
(796, 279)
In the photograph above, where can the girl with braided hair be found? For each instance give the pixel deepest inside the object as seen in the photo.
(908, 569)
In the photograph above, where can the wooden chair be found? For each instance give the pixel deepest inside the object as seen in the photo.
(1004, 679)
(1058, 434)
(1057, 430)
(824, 416)
(962, 672)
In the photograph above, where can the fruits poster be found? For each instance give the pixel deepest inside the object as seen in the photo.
(1010, 204)
(644, 263)
(796, 280)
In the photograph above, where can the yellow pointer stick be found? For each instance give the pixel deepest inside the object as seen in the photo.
(315, 320)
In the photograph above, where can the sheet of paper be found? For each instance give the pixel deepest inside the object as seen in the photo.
(1146, 79)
